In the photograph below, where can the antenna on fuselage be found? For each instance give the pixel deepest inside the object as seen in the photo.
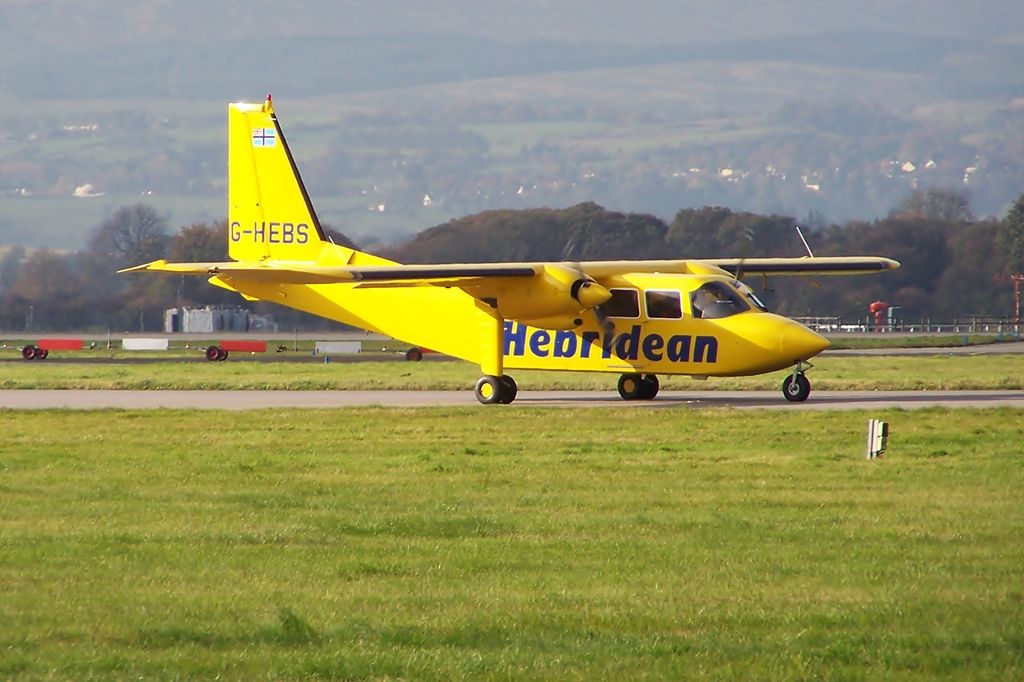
(806, 245)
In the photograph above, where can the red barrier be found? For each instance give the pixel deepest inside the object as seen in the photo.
(59, 344)
(244, 346)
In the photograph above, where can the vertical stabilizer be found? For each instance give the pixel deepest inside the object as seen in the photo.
(269, 212)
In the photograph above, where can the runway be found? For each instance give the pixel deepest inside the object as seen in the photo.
(256, 400)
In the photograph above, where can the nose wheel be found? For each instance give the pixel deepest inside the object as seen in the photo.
(796, 387)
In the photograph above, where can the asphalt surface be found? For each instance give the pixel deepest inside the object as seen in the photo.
(253, 400)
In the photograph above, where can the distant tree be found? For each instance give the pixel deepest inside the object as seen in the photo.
(948, 205)
(716, 232)
(9, 266)
(49, 291)
(200, 242)
(132, 235)
(968, 285)
(338, 238)
(1011, 238)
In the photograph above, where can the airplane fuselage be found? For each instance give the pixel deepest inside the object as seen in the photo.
(642, 340)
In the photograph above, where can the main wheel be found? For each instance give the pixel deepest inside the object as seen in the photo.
(222, 355)
(42, 353)
(29, 352)
(414, 355)
(489, 390)
(631, 386)
(508, 389)
(213, 353)
(649, 387)
(796, 391)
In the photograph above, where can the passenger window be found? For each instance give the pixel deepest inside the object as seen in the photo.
(715, 300)
(663, 305)
(623, 303)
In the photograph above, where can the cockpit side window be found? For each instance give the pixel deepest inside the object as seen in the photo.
(623, 303)
(663, 305)
(715, 300)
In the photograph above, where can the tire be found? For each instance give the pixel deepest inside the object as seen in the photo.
(509, 389)
(222, 355)
(798, 390)
(489, 390)
(649, 387)
(414, 355)
(42, 353)
(213, 353)
(29, 352)
(631, 386)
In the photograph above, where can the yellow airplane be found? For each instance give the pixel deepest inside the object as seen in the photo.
(639, 319)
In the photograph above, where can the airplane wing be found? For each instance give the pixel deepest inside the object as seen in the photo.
(479, 274)
(806, 265)
(280, 272)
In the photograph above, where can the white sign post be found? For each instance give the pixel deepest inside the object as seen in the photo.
(878, 437)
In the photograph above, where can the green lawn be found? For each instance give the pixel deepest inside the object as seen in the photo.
(829, 373)
(444, 544)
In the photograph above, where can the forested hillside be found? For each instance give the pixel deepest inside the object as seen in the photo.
(951, 260)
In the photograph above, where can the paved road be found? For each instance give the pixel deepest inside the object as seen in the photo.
(1007, 348)
(250, 400)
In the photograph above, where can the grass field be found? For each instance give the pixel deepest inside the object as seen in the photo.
(829, 373)
(443, 544)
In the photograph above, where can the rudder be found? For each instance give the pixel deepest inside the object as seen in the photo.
(269, 212)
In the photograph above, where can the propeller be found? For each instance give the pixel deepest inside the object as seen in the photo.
(747, 240)
(589, 293)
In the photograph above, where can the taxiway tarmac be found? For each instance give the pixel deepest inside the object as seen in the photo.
(255, 400)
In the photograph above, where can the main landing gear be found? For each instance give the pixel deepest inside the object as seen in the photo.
(796, 387)
(638, 386)
(492, 390)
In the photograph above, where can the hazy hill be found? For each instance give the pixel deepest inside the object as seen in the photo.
(404, 114)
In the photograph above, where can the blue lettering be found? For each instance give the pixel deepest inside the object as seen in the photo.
(628, 345)
(538, 343)
(652, 347)
(515, 338)
(705, 349)
(287, 233)
(565, 344)
(679, 348)
(236, 234)
(606, 345)
(275, 233)
(259, 231)
(302, 230)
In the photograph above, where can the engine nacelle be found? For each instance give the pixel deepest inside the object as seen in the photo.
(558, 298)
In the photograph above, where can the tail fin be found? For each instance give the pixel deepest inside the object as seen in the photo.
(269, 212)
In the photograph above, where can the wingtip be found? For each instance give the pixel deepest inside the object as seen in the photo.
(145, 266)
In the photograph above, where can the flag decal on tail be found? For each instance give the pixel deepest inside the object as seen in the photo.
(264, 137)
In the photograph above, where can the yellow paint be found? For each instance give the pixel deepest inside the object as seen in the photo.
(530, 315)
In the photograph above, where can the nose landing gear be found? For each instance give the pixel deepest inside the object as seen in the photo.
(796, 387)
